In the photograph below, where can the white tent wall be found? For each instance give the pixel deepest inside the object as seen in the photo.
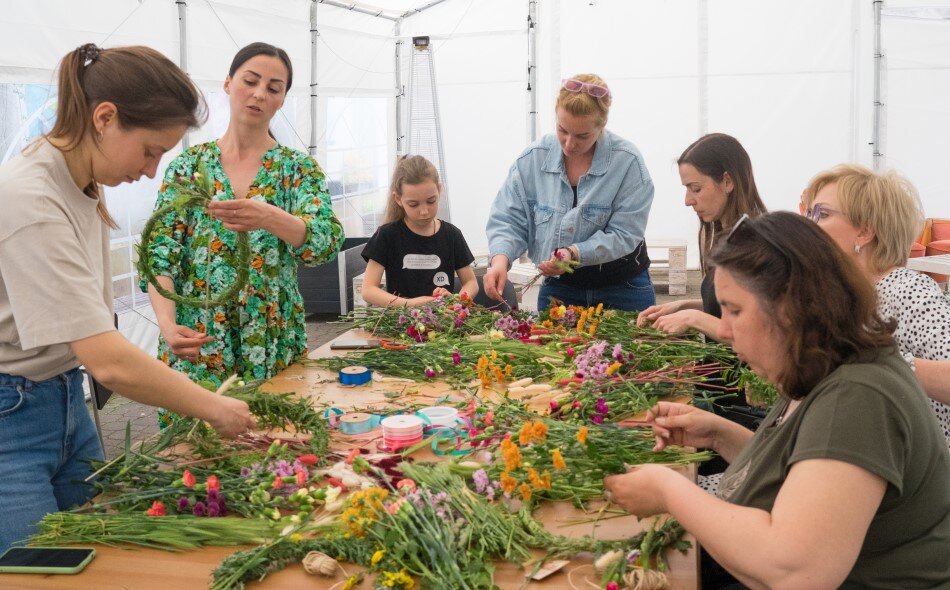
(480, 53)
(917, 103)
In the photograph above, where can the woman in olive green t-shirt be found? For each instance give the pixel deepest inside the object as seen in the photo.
(847, 481)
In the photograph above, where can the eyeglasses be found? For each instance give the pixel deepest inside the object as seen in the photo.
(746, 221)
(819, 211)
(575, 86)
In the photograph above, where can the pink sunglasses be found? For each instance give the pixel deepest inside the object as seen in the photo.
(575, 86)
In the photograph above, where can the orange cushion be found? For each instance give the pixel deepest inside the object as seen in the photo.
(917, 249)
(938, 247)
(941, 230)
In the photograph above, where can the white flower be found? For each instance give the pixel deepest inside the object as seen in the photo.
(333, 492)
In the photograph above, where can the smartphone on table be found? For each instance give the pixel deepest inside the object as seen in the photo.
(45, 560)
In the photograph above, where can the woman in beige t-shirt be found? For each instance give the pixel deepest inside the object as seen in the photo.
(118, 111)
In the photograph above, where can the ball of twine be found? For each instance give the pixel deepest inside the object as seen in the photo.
(321, 564)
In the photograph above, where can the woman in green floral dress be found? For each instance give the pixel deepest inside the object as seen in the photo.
(279, 196)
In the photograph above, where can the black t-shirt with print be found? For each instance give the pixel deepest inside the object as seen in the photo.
(415, 265)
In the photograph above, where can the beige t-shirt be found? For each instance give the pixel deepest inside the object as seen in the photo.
(55, 276)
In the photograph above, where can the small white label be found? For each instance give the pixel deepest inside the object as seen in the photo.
(440, 279)
(421, 261)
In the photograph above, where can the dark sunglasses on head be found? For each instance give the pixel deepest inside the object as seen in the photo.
(746, 222)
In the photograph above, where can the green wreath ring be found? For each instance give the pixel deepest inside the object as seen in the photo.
(197, 193)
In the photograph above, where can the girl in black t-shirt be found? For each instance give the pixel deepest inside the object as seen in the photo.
(420, 253)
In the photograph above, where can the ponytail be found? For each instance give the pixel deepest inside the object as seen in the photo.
(408, 170)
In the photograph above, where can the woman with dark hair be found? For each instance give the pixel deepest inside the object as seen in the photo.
(717, 173)
(118, 111)
(276, 193)
(846, 482)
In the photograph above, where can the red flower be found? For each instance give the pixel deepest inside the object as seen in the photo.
(353, 454)
(213, 483)
(278, 483)
(308, 459)
(157, 509)
(188, 479)
(301, 478)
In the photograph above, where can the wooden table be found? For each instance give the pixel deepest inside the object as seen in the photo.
(147, 569)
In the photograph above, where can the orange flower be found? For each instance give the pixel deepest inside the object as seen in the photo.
(507, 371)
(546, 480)
(582, 435)
(535, 479)
(218, 187)
(510, 454)
(540, 431)
(507, 483)
(498, 374)
(286, 182)
(219, 317)
(278, 482)
(558, 460)
(306, 255)
(216, 245)
(200, 283)
(494, 355)
(213, 483)
(258, 262)
(301, 476)
(525, 492)
(526, 434)
(600, 308)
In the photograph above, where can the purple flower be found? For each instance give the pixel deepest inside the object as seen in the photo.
(245, 471)
(490, 492)
(618, 352)
(213, 496)
(601, 406)
(456, 357)
(597, 419)
(633, 555)
(183, 504)
(222, 507)
(481, 480)
(199, 509)
(402, 320)
(214, 510)
(430, 372)
(283, 469)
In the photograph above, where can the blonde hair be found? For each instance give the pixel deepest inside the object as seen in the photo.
(581, 104)
(408, 170)
(886, 204)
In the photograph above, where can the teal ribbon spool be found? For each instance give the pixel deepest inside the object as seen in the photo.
(355, 375)
(357, 423)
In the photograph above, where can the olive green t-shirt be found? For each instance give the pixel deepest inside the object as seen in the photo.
(869, 412)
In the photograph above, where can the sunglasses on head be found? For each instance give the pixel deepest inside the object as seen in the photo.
(819, 211)
(575, 86)
(746, 222)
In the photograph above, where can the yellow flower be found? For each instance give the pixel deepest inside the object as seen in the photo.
(558, 460)
(494, 355)
(377, 557)
(350, 582)
(600, 308)
(582, 435)
(296, 537)
(614, 368)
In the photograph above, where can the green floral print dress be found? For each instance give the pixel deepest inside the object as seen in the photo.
(262, 332)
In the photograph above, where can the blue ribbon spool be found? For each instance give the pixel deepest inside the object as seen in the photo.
(355, 375)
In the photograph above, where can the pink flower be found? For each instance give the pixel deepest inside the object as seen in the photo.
(612, 586)
(570, 352)
(188, 479)
(554, 406)
(430, 372)
(456, 357)
(406, 484)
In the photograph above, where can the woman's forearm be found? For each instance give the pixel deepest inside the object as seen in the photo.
(934, 377)
(288, 227)
(165, 311)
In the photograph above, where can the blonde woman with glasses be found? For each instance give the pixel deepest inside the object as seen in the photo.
(581, 194)
(874, 218)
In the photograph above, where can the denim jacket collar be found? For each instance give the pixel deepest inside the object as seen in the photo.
(598, 167)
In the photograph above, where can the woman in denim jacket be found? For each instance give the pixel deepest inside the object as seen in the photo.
(582, 194)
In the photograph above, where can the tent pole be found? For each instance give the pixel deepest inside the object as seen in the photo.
(378, 13)
(878, 157)
(532, 71)
(314, 38)
(183, 48)
(400, 91)
(415, 11)
(702, 66)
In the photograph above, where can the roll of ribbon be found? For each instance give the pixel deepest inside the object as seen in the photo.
(440, 415)
(357, 423)
(355, 375)
(332, 415)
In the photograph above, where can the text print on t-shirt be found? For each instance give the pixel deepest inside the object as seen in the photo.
(440, 279)
(421, 261)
